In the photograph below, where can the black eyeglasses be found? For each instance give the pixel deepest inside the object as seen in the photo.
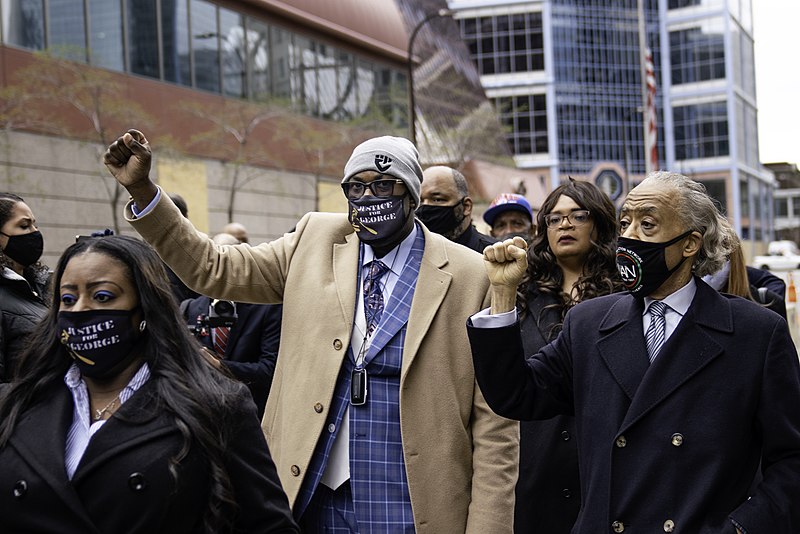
(379, 188)
(576, 218)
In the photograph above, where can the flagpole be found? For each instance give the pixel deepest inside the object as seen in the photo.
(643, 75)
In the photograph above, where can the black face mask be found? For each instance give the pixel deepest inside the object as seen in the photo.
(440, 219)
(643, 265)
(376, 219)
(101, 342)
(25, 249)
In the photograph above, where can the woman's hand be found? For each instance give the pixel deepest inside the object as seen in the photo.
(505, 263)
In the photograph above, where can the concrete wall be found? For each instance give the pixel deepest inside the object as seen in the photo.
(68, 189)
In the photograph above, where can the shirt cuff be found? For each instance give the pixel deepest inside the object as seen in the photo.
(485, 319)
(148, 208)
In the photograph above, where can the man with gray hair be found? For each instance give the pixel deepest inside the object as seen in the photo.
(679, 391)
(374, 418)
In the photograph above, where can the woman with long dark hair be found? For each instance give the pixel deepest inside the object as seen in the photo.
(23, 279)
(572, 258)
(116, 423)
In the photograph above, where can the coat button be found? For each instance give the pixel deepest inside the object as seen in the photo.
(620, 443)
(318, 407)
(565, 435)
(20, 489)
(566, 493)
(331, 428)
(677, 440)
(337, 344)
(669, 525)
(618, 526)
(295, 471)
(137, 482)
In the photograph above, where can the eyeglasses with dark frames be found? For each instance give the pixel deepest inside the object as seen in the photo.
(576, 218)
(380, 188)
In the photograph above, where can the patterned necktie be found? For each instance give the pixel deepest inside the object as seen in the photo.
(657, 328)
(221, 339)
(373, 296)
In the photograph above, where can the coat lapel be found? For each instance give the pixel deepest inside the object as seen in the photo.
(137, 421)
(689, 349)
(433, 283)
(40, 438)
(622, 327)
(345, 271)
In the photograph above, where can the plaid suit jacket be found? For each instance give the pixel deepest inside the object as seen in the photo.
(377, 467)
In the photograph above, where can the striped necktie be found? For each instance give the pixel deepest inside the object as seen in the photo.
(656, 331)
(221, 339)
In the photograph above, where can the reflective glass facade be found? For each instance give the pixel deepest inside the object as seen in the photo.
(199, 44)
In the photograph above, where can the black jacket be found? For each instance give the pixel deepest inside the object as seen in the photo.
(21, 308)
(123, 483)
(475, 240)
(548, 495)
(252, 349)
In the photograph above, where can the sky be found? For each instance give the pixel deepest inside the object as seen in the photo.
(776, 24)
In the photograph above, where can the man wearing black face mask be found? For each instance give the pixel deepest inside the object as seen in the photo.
(447, 208)
(679, 392)
(374, 419)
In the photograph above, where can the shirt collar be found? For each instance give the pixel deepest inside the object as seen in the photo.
(74, 380)
(396, 258)
(678, 301)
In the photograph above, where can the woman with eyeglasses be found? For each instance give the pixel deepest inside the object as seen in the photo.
(572, 258)
(23, 279)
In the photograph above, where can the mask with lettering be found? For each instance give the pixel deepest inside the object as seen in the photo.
(643, 264)
(375, 218)
(99, 341)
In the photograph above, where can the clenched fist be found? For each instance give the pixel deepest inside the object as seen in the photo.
(128, 158)
(506, 263)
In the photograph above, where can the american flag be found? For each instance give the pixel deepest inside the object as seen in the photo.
(651, 133)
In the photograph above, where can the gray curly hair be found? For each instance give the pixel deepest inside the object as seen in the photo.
(698, 212)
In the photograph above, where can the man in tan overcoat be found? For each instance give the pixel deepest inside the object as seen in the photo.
(374, 419)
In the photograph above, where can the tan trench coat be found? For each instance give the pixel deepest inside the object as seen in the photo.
(461, 458)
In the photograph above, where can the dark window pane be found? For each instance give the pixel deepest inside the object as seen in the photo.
(175, 41)
(143, 37)
(105, 38)
(205, 45)
(233, 52)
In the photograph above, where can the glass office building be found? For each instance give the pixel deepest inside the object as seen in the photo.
(565, 78)
(208, 47)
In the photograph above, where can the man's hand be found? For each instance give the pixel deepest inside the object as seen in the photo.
(128, 158)
(505, 264)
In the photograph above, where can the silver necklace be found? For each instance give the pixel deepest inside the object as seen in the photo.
(98, 414)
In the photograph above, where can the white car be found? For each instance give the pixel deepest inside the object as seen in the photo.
(783, 256)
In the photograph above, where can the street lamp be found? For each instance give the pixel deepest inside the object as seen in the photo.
(412, 111)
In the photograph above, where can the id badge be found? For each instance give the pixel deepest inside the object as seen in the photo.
(358, 387)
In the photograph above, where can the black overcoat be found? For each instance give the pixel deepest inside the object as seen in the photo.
(672, 446)
(123, 483)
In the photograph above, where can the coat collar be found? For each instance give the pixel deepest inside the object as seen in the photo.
(688, 350)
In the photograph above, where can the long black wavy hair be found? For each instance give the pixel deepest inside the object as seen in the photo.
(36, 273)
(600, 275)
(198, 396)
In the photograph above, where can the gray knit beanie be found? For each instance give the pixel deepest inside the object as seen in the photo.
(395, 156)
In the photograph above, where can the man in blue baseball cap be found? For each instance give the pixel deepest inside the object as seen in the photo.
(510, 215)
